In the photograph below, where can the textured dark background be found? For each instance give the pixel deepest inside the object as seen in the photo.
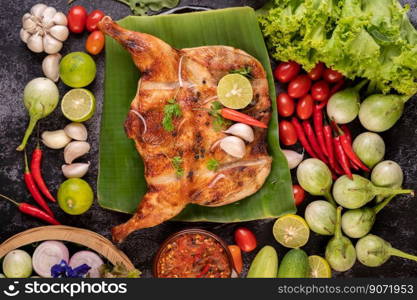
(18, 65)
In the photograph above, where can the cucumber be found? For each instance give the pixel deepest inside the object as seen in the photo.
(294, 265)
(265, 264)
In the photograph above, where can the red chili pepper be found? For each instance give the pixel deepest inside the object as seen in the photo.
(318, 126)
(302, 138)
(327, 130)
(35, 168)
(337, 87)
(33, 211)
(308, 130)
(341, 156)
(204, 271)
(31, 186)
(346, 142)
(234, 115)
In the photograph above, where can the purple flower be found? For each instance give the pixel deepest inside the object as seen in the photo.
(63, 270)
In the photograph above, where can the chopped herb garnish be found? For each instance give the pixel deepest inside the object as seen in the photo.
(245, 71)
(219, 122)
(177, 164)
(212, 164)
(171, 110)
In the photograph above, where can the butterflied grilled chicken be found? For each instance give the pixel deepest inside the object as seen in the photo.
(176, 161)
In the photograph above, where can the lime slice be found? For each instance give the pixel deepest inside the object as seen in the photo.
(234, 91)
(291, 231)
(78, 105)
(319, 267)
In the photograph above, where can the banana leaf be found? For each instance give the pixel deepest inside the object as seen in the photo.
(121, 183)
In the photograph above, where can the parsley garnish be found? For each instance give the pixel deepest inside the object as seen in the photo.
(171, 110)
(212, 164)
(245, 71)
(219, 122)
(177, 165)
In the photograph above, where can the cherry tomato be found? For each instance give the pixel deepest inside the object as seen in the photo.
(237, 258)
(286, 71)
(245, 239)
(77, 16)
(286, 105)
(317, 71)
(305, 107)
(95, 42)
(320, 91)
(332, 76)
(93, 18)
(287, 133)
(299, 86)
(299, 194)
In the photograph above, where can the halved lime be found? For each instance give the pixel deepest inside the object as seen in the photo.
(75, 196)
(77, 69)
(78, 105)
(234, 91)
(319, 267)
(291, 231)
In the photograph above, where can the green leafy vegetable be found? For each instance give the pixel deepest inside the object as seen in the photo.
(359, 38)
(245, 71)
(212, 164)
(171, 110)
(118, 271)
(177, 164)
(219, 122)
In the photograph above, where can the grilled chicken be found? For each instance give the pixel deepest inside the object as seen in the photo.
(176, 161)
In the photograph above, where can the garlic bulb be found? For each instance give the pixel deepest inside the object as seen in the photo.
(44, 29)
(76, 170)
(76, 131)
(50, 66)
(55, 139)
(233, 146)
(241, 130)
(75, 150)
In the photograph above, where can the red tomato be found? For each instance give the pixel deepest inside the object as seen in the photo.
(77, 16)
(332, 76)
(337, 87)
(299, 86)
(95, 42)
(299, 194)
(320, 91)
(305, 107)
(317, 71)
(245, 239)
(285, 104)
(93, 18)
(286, 71)
(287, 133)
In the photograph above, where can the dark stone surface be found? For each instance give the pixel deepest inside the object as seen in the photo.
(18, 65)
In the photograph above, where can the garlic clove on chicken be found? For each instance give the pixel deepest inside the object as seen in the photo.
(51, 45)
(76, 170)
(60, 19)
(233, 146)
(59, 32)
(75, 150)
(241, 130)
(38, 9)
(76, 131)
(50, 66)
(35, 43)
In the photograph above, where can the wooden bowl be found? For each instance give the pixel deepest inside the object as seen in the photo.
(84, 237)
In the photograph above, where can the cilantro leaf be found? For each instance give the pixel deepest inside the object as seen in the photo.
(171, 111)
(212, 164)
(245, 71)
(219, 122)
(177, 165)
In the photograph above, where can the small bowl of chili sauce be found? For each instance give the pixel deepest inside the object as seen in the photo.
(193, 253)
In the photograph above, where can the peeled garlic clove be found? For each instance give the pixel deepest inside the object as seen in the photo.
(50, 66)
(75, 150)
(38, 9)
(233, 146)
(76, 170)
(55, 139)
(241, 130)
(293, 158)
(47, 17)
(35, 43)
(60, 19)
(29, 24)
(51, 45)
(59, 32)
(24, 35)
(76, 131)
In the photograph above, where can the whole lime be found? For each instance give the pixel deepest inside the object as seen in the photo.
(75, 196)
(77, 69)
